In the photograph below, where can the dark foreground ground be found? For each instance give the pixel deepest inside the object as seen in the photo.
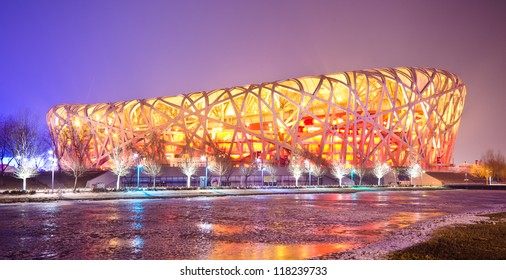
(485, 240)
(358, 225)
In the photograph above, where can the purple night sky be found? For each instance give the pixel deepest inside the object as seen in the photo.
(89, 51)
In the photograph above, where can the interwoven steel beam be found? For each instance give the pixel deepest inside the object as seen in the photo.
(393, 115)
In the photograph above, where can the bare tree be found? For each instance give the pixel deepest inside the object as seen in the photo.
(272, 169)
(152, 169)
(25, 140)
(189, 166)
(481, 171)
(74, 167)
(339, 170)
(41, 160)
(6, 126)
(318, 171)
(221, 165)
(296, 167)
(396, 170)
(360, 171)
(76, 161)
(122, 162)
(25, 171)
(414, 171)
(380, 170)
(247, 169)
(495, 163)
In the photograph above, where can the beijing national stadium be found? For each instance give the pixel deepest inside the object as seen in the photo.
(359, 117)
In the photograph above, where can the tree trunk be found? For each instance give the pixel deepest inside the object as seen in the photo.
(296, 181)
(24, 184)
(379, 181)
(340, 181)
(154, 182)
(188, 182)
(360, 181)
(75, 184)
(117, 183)
(219, 181)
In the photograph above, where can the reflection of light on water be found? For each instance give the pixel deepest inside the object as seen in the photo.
(113, 217)
(50, 226)
(254, 251)
(374, 229)
(113, 242)
(221, 229)
(138, 225)
(138, 210)
(205, 227)
(52, 211)
(382, 198)
(137, 243)
(404, 219)
(354, 196)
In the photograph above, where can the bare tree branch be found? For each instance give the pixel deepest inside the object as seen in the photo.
(221, 165)
(189, 166)
(296, 167)
(25, 171)
(339, 170)
(247, 169)
(380, 170)
(271, 169)
(122, 162)
(76, 161)
(151, 168)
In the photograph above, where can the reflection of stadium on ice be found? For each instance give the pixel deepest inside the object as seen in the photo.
(394, 115)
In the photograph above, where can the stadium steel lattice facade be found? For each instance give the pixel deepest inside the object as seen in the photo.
(394, 115)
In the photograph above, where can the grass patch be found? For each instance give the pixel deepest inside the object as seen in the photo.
(482, 241)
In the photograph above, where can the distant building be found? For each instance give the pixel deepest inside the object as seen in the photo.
(8, 168)
(396, 115)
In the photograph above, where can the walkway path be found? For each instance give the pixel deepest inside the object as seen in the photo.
(88, 195)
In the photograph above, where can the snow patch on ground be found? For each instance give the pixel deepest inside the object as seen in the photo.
(412, 235)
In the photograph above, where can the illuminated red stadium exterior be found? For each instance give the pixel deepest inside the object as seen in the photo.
(394, 115)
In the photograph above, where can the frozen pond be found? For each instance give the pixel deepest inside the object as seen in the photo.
(245, 227)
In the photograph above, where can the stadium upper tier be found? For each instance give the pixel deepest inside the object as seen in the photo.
(393, 114)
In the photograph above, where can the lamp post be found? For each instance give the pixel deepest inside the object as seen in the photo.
(261, 166)
(352, 173)
(139, 166)
(309, 168)
(138, 169)
(202, 158)
(53, 161)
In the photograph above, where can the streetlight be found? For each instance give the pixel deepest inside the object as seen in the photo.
(53, 161)
(261, 166)
(309, 168)
(352, 172)
(139, 166)
(138, 169)
(202, 158)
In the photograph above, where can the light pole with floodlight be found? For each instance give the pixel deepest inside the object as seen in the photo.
(136, 156)
(139, 166)
(309, 167)
(261, 166)
(53, 162)
(202, 158)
